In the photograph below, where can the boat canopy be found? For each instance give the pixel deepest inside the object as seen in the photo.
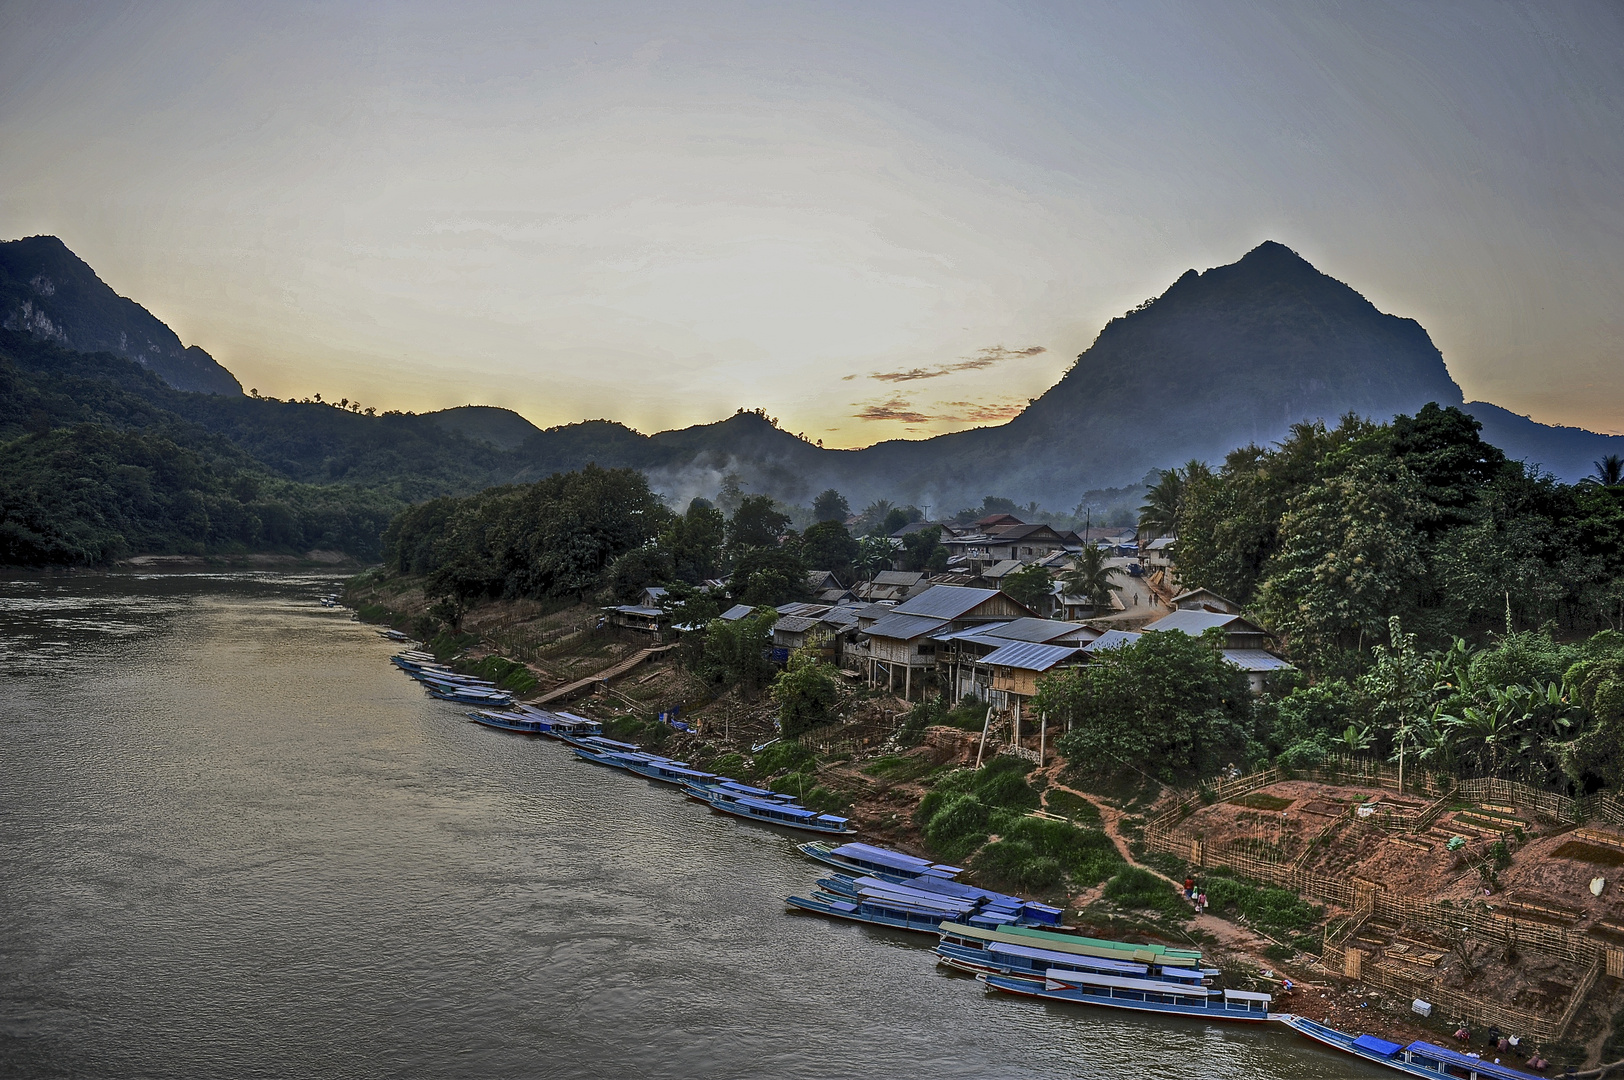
(1370, 1044)
(1445, 1056)
(1081, 946)
(1120, 982)
(1247, 995)
(1120, 967)
(800, 813)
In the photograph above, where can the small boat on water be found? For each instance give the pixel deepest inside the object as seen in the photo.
(1417, 1059)
(1136, 994)
(778, 809)
(869, 859)
(464, 695)
(510, 721)
(970, 947)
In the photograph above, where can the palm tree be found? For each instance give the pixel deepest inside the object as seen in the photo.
(1090, 577)
(1609, 472)
(1163, 503)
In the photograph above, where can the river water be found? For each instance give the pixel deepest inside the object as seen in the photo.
(238, 843)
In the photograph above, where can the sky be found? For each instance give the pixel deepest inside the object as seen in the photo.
(870, 220)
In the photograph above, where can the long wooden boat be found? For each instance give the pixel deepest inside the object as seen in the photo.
(981, 937)
(1136, 994)
(877, 910)
(1417, 1059)
(787, 814)
(1002, 958)
(727, 789)
(467, 696)
(984, 906)
(510, 721)
(869, 859)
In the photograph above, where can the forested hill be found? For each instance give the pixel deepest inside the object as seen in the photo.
(100, 458)
(50, 293)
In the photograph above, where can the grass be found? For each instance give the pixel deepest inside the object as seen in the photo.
(1136, 889)
(899, 768)
(1071, 806)
(1265, 907)
(1259, 801)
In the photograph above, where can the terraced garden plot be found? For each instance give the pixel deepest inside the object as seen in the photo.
(1257, 800)
(1594, 854)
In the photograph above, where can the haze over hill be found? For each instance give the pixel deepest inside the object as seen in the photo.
(1233, 355)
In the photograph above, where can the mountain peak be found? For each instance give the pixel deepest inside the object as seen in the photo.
(50, 293)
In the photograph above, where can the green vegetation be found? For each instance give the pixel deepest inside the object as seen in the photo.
(1064, 803)
(1166, 702)
(1030, 585)
(1266, 907)
(806, 693)
(1137, 889)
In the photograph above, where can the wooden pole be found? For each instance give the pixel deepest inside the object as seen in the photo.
(985, 724)
(1043, 736)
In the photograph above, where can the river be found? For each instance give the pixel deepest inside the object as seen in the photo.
(238, 843)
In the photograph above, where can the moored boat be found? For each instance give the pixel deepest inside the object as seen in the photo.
(773, 812)
(1417, 1059)
(1137, 994)
(510, 721)
(869, 859)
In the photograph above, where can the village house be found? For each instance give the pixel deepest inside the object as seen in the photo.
(1158, 555)
(1246, 644)
(827, 589)
(645, 616)
(961, 655)
(1017, 667)
(901, 648)
(893, 585)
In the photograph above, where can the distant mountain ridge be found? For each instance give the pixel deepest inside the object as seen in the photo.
(1222, 358)
(50, 293)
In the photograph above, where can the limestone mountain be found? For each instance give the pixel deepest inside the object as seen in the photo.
(50, 293)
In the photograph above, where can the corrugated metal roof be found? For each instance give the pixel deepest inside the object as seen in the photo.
(945, 601)
(1195, 622)
(1111, 639)
(1001, 568)
(841, 616)
(1032, 629)
(634, 609)
(795, 624)
(1030, 656)
(970, 632)
(905, 627)
(898, 577)
(1256, 660)
(736, 612)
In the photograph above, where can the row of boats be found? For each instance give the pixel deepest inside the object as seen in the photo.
(1017, 947)
(1010, 944)
(585, 737)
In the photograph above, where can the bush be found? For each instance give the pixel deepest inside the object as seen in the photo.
(958, 827)
(806, 693)
(1138, 889)
(1086, 854)
(1066, 804)
(1014, 864)
(1266, 907)
(783, 756)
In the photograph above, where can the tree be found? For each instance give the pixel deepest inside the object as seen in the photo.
(874, 553)
(757, 523)
(1164, 504)
(636, 570)
(694, 542)
(873, 517)
(922, 550)
(736, 653)
(768, 576)
(1090, 577)
(1609, 472)
(806, 693)
(1032, 586)
(899, 517)
(1168, 703)
(829, 546)
(831, 505)
(1399, 684)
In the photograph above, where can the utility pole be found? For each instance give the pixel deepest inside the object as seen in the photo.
(984, 726)
(1043, 736)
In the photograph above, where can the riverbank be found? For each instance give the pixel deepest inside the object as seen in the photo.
(1262, 936)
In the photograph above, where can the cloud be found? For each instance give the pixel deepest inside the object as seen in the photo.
(982, 359)
(902, 411)
(893, 409)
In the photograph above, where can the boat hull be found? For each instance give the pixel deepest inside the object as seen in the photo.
(1034, 988)
(920, 925)
(803, 826)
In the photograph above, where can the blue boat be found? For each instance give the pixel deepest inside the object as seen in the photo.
(1416, 1059)
(880, 909)
(565, 726)
(664, 769)
(772, 811)
(984, 906)
(466, 696)
(510, 721)
(731, 790)
(868, 859)
(1003, 958)
(1136, 994)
